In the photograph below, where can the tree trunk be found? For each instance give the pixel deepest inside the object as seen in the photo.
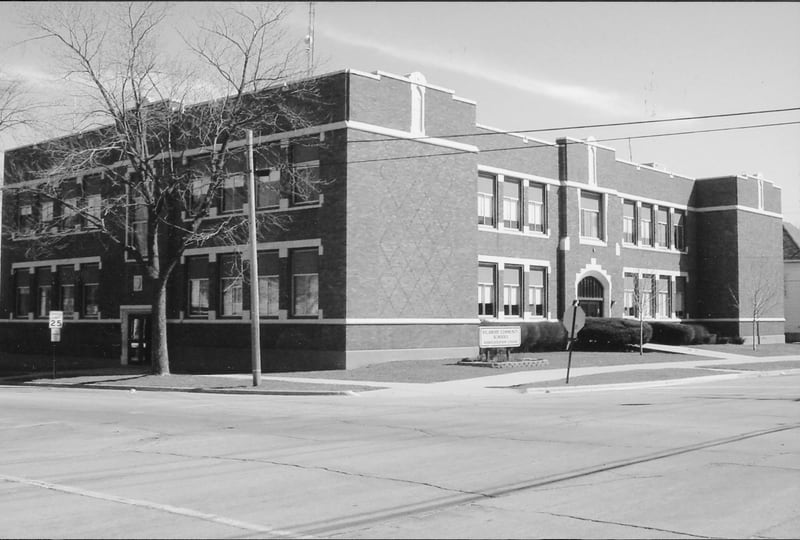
(159, 333)
(754, 333)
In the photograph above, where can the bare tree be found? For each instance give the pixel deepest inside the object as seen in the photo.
(15, 105)
(153, 155)
(757, 296)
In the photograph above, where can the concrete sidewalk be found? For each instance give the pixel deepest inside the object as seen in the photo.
(694, 365)
(628, 375)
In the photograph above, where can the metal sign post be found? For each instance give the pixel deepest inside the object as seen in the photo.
(56, 323)
(573, 321)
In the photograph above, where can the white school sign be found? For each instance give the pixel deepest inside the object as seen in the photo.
(499, 336)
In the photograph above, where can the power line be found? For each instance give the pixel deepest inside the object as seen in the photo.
(531, 146)
(591, 126)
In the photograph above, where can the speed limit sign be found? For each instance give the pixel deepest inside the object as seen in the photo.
(56, 319)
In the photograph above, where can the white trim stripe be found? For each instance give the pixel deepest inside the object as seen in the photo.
(390, 132)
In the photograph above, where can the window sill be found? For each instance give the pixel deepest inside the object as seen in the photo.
(513, 232)
(588, 241)
(652, 248)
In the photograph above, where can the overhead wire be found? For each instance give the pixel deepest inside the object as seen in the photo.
(541, 145)
(590, 126)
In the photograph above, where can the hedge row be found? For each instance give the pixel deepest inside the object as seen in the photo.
(600, 333)
(679, 333)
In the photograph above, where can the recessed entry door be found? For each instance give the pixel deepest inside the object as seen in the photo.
(590, 295)
(139, 333)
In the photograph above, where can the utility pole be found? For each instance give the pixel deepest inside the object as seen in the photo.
(310, 38)
(255, 316)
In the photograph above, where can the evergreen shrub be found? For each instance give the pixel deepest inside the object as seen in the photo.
(600, 333)
(667, 333)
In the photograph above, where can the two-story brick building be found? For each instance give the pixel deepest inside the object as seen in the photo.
(420, 206)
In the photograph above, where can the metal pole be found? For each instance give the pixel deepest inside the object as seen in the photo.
(571, 337)
(54, 359)
(255, 317)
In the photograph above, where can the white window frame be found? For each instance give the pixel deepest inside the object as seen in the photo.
(487, 202)
(512, 207)
(540, 290)
(487, 291)
(646, 226)
(537, 211)
(600, 215)
(512, 293)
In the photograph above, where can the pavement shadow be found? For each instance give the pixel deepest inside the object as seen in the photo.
(113, 374)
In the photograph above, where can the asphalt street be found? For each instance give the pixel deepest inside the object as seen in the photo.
(709, 459)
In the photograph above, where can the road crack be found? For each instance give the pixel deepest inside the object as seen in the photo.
(325, 469)
(631, 525)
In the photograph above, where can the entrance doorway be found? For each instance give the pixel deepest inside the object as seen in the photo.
(139, 332)
(590, 296)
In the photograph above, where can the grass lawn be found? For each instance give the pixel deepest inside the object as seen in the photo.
(124, 379)
(430, 371)
(771, 349)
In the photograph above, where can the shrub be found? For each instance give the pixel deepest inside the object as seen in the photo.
(701, 334)
(611, 334)
(672, 333)
(738, 340)
(543, 336)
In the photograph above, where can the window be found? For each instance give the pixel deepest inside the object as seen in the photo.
(646, 225)
(305, 283)
(70, 219)
(46, 212)
(537, 292)
(486, 288)
(677, 230)
(234, 194)
(305, 176)
(90, 274)
(66, 288)
(486, 205)
(268, 284)
(22, 281)
(662, 227)
(200, 185)
(44, 285)
(197, 272)
(679, 299)
(138, 230)
(629, 308)
(646, 288)
(512, 280)
(663, 308)
(591, 215)
(25, 219)
(629, 222)
(536, 208)
(230, 286)
(94, 211)
(511, 206)
(268, 188)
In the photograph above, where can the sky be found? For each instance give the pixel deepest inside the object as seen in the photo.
(544, 65)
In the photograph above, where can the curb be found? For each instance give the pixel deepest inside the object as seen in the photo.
(190, 390)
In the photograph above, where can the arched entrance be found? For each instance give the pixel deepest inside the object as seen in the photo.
(590, 296)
